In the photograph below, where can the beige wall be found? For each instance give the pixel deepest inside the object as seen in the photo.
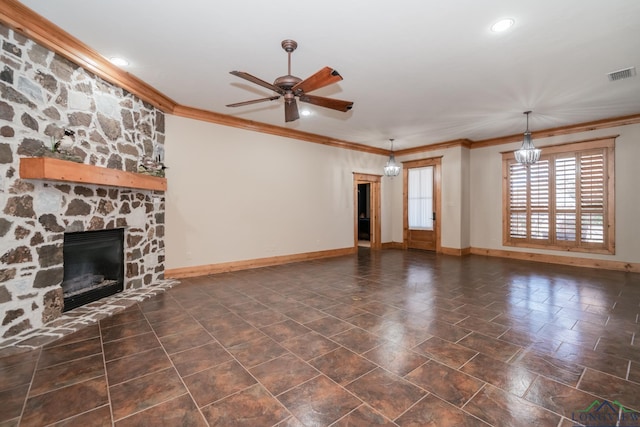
(486, 193)
(238, 195)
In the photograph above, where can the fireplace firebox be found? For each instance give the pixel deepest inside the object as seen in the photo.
(93, 266)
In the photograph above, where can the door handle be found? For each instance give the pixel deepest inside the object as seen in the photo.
(434, 216)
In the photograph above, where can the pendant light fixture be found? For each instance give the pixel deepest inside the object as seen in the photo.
(392, 168)
(527, 154)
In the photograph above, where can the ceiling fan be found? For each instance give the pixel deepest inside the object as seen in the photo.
(290, 87)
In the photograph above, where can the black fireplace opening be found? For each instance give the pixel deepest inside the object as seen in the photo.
(93, 266)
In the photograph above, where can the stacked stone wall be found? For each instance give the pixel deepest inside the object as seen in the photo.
(41, 95)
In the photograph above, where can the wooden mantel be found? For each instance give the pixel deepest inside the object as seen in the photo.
(47, 168)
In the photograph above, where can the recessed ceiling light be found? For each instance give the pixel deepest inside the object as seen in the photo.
(305, 112)
(120, 62)
(502, 25)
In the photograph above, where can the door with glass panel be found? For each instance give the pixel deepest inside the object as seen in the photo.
(421, 200)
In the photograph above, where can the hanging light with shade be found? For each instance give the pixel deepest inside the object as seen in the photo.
(391, 168)
(527, 154)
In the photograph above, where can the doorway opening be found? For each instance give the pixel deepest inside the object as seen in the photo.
(364, 214)
(367, 210)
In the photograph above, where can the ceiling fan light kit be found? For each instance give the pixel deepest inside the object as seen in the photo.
(291, 87)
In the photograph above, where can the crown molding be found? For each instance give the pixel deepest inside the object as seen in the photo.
(223, 119)
(433, 147)
(27, 22)
(562, 130)
(545, 133)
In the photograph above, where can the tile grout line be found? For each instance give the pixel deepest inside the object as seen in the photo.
(376, 366)
(233, 357)
(529, 388)
(106, 377)
(412, 405)
(251, 295)
(33, 376)
(153, 373)
(584, 372)
(474, 395)
(354, 410)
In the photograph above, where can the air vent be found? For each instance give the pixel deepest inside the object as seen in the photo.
(622, 74)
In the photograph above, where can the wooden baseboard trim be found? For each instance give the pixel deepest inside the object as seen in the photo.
(563, 260)
(392, 245)
(203, 270)
(455, 251)
(226, 267)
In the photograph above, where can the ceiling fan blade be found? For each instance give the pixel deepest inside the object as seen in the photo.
(260, 82)
(322, 78)
(334, 104)
(253, 101)
(291, 111)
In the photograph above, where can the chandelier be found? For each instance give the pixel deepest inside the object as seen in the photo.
(527, 154)
(391, 168)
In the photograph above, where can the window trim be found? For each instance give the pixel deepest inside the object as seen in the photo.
(608, 246)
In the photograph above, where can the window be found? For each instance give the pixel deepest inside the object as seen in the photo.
(564, 201)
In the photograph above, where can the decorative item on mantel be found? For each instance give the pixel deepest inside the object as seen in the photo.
(64, 144)
(152, 166)
(61, 147)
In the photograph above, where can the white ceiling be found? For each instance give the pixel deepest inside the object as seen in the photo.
(419, 71)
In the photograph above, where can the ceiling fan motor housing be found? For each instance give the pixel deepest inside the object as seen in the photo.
(287, 82)
(289, 45)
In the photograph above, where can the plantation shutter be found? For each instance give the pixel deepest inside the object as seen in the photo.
(529, 201)
(565, 215)
(518, 201)
(564, 201)
(539, 200)
(592, 197)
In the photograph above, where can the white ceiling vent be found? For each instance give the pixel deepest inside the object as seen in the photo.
(622, 74)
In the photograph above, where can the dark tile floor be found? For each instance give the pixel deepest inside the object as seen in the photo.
(386, 338)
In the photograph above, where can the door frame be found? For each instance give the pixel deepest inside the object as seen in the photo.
(374, 214)
(436, 162)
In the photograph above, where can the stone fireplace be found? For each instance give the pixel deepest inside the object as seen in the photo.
(41, 94)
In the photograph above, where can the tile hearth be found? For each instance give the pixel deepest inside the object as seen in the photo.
(80, 317)
(386, 338)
